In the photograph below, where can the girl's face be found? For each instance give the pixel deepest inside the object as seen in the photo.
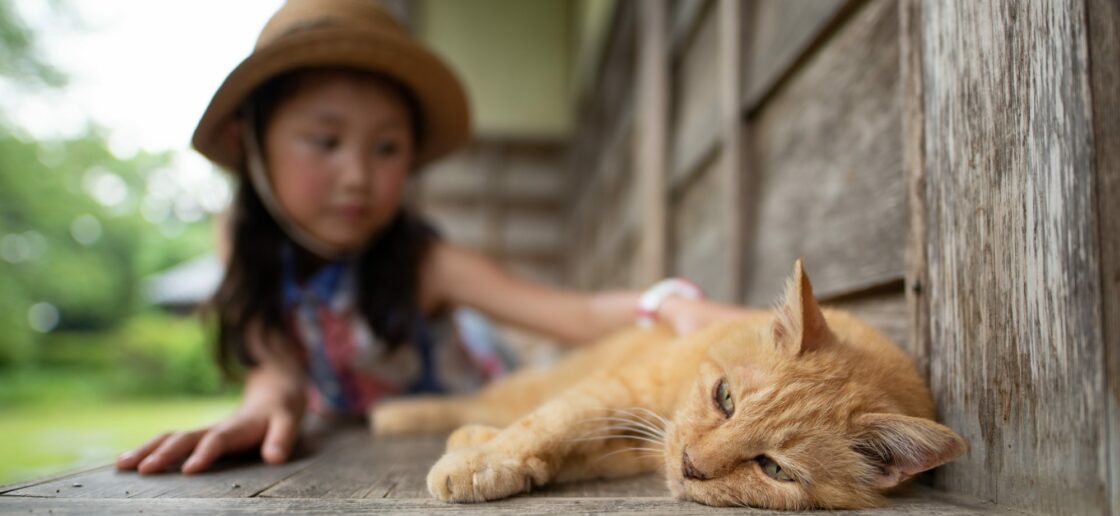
(339, 150)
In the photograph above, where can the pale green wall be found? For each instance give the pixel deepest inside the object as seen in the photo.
(515, 57)
(590, 30)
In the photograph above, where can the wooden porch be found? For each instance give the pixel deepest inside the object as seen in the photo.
(344, 470)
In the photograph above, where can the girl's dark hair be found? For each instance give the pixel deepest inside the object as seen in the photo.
(250, 298)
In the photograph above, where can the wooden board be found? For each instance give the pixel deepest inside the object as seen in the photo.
(695, 123)
(885, 309)
(229, 479)
(1014, 262)
(1104, 59)
(778, 33)
(698, 243)
(919, 503)
(826, 156)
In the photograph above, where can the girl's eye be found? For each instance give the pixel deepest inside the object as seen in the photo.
(772, 469)
(722, 398)
(326, 143)
(387, 148)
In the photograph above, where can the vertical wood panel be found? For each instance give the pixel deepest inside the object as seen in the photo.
(1104, 63)
(780, 33)
(827, 151)
(913, 155)
(699, 231)
(1014, 290)
(651, 153)
(732, 194)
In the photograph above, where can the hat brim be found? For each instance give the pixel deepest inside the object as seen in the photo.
(437, 90)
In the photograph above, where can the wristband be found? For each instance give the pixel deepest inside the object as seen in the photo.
(651, 299)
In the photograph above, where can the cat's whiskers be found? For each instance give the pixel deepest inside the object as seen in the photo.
(664, 421)
(643, 453)
(617, 436)
(634, 422)
(656, 423)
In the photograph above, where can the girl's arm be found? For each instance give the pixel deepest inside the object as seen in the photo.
(457, 275)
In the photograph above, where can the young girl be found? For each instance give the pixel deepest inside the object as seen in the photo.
(331, 282)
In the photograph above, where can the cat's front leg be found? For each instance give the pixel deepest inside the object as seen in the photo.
(484, 473)
(541, 446)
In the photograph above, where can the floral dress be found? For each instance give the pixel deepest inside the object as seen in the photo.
(351, 369)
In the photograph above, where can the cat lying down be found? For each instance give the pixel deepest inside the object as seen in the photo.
(795, 409)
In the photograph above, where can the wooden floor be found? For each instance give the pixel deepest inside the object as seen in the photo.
(345, 470)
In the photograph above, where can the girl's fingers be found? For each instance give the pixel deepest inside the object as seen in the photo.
(174, 448)
(281, 436)
(129, 459)
(212, 445)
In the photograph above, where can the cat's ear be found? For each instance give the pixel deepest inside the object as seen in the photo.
(903, 446)
(799, 325)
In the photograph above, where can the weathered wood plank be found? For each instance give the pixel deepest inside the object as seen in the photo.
(231, 478)
(1104, 66)
(921, 502)
(385, 468)
(699, 235)
(913, 122)
(826, 150)
(731, 163)
(1014, 258)
(650, 155)
(779, 33)
(696, 114)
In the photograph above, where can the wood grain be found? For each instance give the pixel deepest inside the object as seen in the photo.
(696, 106)
(650, 155)
(826, 150)
(913, 125)
(1014, 259)
(780, 33)
(1104, 64)
(236, 477)
(699, 234)
(921, 502)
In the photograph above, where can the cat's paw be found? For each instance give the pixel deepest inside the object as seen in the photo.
(468, 436)
(412, 416)
(473, 475)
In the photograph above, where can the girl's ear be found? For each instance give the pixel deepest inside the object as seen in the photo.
(799, 326)
(903, 446)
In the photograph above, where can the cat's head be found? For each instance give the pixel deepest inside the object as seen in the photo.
(788, 419)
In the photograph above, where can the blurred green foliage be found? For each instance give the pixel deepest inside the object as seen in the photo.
(87, 366)
(72, 266)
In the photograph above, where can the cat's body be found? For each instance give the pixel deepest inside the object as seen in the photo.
(795, 409)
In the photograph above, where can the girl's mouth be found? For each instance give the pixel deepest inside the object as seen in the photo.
(353, 213)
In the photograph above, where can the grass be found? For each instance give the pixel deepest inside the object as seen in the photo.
(41, 439)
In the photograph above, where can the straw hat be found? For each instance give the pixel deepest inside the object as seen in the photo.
(357, 34)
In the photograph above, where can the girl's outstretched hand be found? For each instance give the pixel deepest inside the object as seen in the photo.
(266, 418)
(687, 316)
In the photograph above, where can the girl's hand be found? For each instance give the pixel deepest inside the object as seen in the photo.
(269, 417)
(690, 315)
(275, 431)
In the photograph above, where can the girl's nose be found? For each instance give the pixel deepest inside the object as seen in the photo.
(355, 173)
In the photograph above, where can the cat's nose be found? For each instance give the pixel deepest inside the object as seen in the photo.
(688, 469)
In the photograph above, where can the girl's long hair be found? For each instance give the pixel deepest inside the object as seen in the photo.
(249, 301)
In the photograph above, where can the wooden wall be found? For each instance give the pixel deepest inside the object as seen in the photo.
(948, 170)
(504, 198)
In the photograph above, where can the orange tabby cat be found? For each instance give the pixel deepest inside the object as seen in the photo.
(797, 409)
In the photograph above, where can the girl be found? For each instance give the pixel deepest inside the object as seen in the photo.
(330, 281)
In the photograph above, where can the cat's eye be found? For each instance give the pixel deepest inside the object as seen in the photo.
(722, 398)
(773, 469)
